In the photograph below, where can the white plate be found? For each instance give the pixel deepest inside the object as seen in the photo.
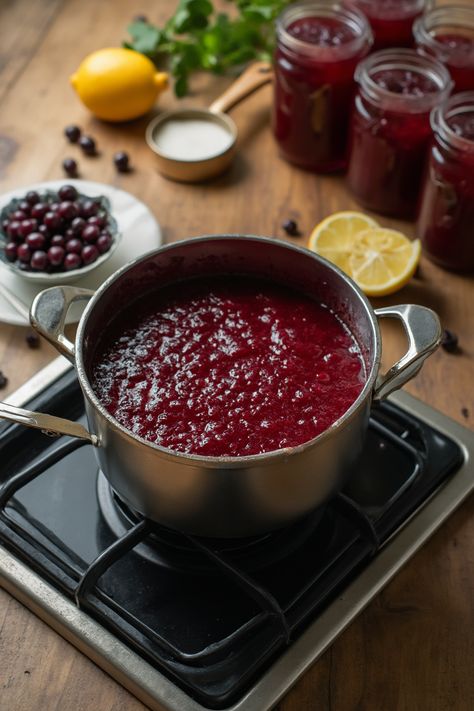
(141, 233)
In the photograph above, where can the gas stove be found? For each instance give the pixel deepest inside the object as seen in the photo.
(192, 624)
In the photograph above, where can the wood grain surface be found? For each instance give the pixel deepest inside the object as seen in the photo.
(412, 649)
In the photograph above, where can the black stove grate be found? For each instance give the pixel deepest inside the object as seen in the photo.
(209, 614)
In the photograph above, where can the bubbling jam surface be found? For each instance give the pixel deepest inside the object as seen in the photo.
(227, 367)
(456, 51)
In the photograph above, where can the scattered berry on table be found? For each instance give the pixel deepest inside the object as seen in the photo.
(32, 339)
(70, 167)
(291, 228)
(122, 162)
(72, 133)
(88, 145)
(450, 341)
(3, 380)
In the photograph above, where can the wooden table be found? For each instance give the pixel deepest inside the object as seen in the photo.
(412, 648)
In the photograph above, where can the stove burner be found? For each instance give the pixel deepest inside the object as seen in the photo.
(214, 636)
(180, 552)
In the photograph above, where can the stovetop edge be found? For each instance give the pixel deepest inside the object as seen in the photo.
(155, 690)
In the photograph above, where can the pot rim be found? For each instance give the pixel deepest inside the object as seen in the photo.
(229, 461)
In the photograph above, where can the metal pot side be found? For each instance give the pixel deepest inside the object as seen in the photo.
(237, 496)
(227, 501)
(227, 496)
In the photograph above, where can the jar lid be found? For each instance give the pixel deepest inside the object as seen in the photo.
(403, 80)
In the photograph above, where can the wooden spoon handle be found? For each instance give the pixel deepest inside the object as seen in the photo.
(255, 76)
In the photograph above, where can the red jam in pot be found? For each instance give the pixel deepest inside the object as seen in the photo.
(447, 33)
(446, 217)
(391, 20)
(227, 367)
(390, 129)
(318, 47)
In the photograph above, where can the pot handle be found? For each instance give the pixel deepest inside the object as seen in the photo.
(423, 329)
(49, 424)
(48, 315)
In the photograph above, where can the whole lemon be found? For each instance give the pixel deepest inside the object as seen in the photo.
(118, 84)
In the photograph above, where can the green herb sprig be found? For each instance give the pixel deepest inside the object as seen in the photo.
(197, 38)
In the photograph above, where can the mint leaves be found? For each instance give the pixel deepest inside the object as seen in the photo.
(197, 38)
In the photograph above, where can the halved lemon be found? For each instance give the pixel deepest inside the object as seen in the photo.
(382, 260)
(333, 238)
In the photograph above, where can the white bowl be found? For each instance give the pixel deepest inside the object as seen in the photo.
(61, 277)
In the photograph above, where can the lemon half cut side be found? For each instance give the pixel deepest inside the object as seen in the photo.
(380, 260)
(383, 261)
(333, 238)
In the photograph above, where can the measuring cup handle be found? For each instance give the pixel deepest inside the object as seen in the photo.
(255, 76)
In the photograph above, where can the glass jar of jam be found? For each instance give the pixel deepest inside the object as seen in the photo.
(446, 216)
(391, 20)
(390, 128)
(447, 33)
(319, 44)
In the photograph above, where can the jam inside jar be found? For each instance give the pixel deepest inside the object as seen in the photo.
(391, 20)
(447, 33)
(319, 45)
(446, 216)
(390, 128)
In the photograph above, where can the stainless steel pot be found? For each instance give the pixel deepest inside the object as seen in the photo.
(226, 496)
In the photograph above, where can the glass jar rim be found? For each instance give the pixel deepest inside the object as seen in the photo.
(323, 8)
(461, 16)
(381, 13)
(440, 115)
(390, 59)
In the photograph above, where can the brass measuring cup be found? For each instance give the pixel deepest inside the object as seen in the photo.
(212, 162)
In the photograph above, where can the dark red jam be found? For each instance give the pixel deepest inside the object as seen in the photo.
(405, 82)
(458, 53)
(315, 60)
(447, 33)
(390, 129)
(462, 124)
(446, 218)
(321, 31)
(227, 367)
(391, 20)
